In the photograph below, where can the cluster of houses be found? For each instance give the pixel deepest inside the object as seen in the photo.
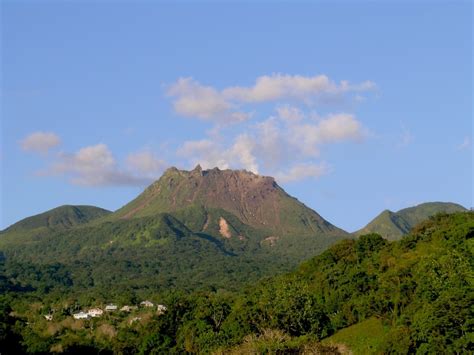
(98, 312)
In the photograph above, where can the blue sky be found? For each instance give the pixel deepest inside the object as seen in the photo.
(355, 107)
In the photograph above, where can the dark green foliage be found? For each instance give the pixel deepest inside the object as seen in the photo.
(153, 253)
(419, 289)
(9, 339)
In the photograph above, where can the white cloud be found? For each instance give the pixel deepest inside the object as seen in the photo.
(289, 113)
(278, 146)
(242, 151)
(207, 153)
(204, 102)
(280, 86)
(40, 142)
(145, 163)
(465, 145)
(191, 99)
(303, 171)
(93, 166)
(286, 145)
(334, 128)
(271, 149)
(210, 154)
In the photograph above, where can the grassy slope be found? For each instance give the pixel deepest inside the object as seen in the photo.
(362, 338)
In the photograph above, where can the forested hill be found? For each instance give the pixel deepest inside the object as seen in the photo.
(59, 218)
(394, 225)
(410, 296)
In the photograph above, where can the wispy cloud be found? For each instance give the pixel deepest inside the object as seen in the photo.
(146, 164)
(40, 142)
(210, 153)
(303, 171)
(287, 149)
(96, 166)
(204, 102)
(286, 144)
(289, 113)
(283, 86)
(405, 138)
(465, 145)
(192, 99)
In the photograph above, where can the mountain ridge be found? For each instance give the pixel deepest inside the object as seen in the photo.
(394, 225)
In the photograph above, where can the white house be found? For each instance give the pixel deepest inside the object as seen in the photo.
(81, 315)
(146, 304)
(111, 307)
(95, 312)
(161, 309)
(48, 316)
(128, 308)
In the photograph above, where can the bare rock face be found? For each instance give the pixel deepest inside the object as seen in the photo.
(224, 229)
(256, 200)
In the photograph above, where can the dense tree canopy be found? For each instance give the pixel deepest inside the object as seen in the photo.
(419, 288)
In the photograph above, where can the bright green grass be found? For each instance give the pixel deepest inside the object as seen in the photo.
(361, 338)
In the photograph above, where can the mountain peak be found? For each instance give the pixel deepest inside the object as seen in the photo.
(256, 200)
(198, 168)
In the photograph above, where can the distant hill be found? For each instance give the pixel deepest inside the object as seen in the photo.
(394, 225)
(62, 217)
(57, 219)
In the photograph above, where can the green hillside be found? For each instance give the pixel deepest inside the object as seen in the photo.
(59, 218)
(360, 296)
(155, 252)
(393, 225)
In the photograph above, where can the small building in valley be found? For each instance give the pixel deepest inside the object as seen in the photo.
(161, 309)
(127, 308)
(146, 304)
(95, 312)
(111, 307)
(81, 315)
